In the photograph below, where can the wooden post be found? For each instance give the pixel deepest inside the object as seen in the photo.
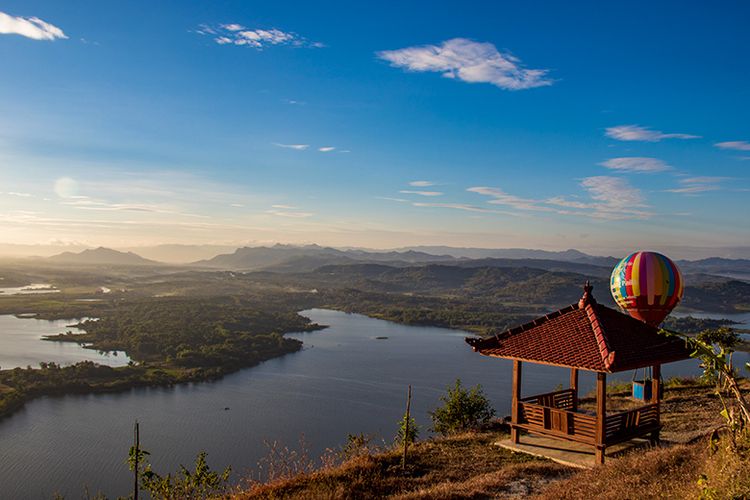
(406, 428)
(515, 415)
(574, 386)
(601, 415)
(656, 399)
(136, 444)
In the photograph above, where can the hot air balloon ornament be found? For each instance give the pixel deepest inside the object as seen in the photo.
(647, 285)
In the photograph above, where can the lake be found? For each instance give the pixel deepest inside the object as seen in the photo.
(345, 380)
(21, 344)
(32, 289)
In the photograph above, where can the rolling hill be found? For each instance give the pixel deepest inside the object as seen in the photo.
(101, 256)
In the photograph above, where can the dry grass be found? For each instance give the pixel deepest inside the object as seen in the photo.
(726, 473)
(683, 471)
(658, 473)
(470, 466)
(464, 466)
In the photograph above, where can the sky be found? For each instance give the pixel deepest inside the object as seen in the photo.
(606, 127)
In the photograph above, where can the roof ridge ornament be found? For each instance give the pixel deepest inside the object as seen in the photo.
(587, 297)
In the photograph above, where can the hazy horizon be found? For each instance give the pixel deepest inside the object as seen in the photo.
(187, 253)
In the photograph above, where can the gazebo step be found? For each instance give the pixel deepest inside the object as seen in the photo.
(567, 453)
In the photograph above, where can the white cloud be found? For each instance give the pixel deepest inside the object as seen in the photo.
(636, 164)
(421, 183)
(30, 27)
(500, 197)
(468, 61)
(612, 198)
(638, 133)
(694, 180)
(298, 147)
(284, 207)
(294, 215)
(326, 149)
(20, 195)
(421, 193)
(698, 188)
(613, 192)
(735, 145)
(237, 205)
(694, 185)
(236, 34)
(400, 200)
(462, 206)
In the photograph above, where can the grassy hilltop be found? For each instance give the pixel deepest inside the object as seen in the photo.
(471, 466)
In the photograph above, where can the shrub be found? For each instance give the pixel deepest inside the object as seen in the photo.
(356, 445)
(186, 484)
(462, 410)
(410, 436)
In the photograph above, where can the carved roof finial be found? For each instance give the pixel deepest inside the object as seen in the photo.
(587, 297)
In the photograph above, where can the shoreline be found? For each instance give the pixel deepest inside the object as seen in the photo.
(119, 379)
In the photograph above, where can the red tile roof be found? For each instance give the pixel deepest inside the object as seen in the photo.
(585, 335)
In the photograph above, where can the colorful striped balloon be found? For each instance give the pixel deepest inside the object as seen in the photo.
(647, 285)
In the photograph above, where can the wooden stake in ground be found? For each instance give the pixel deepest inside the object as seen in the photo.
(136, 443)
(406, 428)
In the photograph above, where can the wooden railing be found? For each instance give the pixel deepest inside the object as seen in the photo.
(552, 414)
(559, 422)
(630, 423)
(564, 400)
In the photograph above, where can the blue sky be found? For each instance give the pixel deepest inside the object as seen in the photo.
(534, 124)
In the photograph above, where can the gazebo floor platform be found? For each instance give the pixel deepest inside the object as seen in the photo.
(568, 453)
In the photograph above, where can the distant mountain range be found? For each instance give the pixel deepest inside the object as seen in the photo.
(101, 256)
(299, 259)
(501, 253)
(291, 258)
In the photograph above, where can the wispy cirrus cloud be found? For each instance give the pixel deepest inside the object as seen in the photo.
(639, 133)
(236, 34)
(290, 214)
(610, 198)
(468, 61)
(421, 193)
(500, 197)
(326, 149)
(636, 164)
(464, 207)
(298, 147)
(614, 192)
(421, 183)
(30, 27)
(734, 145)
(695, 185)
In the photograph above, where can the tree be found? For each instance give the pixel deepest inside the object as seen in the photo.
(462, 410)
(714, 347)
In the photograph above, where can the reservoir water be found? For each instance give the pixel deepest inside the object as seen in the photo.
(349, 378)
(21, 344)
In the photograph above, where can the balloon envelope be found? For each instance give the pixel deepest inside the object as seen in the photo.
(647, 285)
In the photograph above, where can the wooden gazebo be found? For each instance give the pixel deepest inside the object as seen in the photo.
(584, 336)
